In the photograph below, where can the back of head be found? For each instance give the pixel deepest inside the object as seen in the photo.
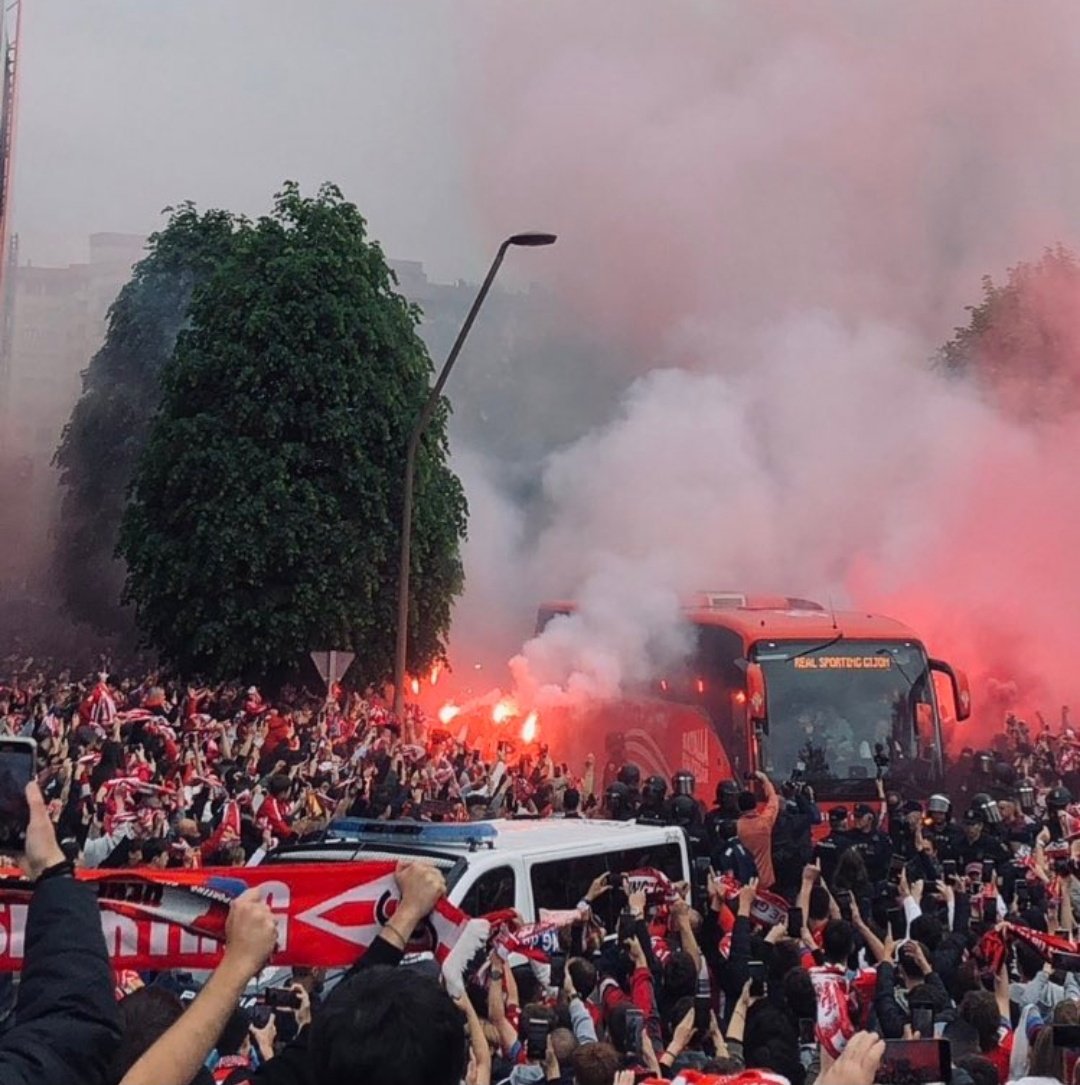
(563, 1043)
(595, 1064)
(571, 800)
(145, 1015)
(838, 941)
(771, 1042)
(927, 930)
(982, 1071)
(583, 976)
(680, 975)
(388, 1026)
(979, 1008)
(963, 1038)
(747, 802)
(234, 1033)
(819, 902)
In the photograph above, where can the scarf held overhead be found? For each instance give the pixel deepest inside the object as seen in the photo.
(326, 915)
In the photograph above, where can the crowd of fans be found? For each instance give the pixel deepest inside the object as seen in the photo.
(802, 943)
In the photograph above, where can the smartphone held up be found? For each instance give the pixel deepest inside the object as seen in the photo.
(18, 766)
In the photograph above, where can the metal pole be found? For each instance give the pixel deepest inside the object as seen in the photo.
(422, 422)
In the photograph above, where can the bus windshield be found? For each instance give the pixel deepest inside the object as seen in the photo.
(833, 706)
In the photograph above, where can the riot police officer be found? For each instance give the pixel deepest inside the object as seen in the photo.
(684, 810)
(830, 847)
(946, 835)
(875, 845)
(652, 801)
(617, 806)
(630, 778)
(981, 844)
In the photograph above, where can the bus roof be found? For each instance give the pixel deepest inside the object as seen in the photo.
(780, 618)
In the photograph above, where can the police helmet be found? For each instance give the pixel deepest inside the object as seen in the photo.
(987, 807)
(655, 789)
(938, 804)
(630, 775)
(1058, 798)
(617, 800)
(683, 783)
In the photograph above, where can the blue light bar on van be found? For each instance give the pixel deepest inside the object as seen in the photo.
(473, 833)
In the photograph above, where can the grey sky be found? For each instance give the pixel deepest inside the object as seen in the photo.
(129, 105)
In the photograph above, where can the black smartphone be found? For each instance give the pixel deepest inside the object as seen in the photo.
(807, 1033)
(843, 898)
(896, 866)
(577, 940)
(1023, 897)
(702, 1014)
(624, 931)
(989, 910)
(794, 922)
(635, 1027)
(1066, 1035)
(988, 871)
(18, 766)
(1065, 962)
(949, 867)
(922, 1021)
(757, 979)
(897, 923)
(558, 969)
(281, 998)
(261, 1015)
(915, 1062)
(536, 1037)
(702, 870)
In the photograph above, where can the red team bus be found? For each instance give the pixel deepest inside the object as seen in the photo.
(785, 686)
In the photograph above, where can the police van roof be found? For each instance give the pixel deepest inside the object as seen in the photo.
(456, 840)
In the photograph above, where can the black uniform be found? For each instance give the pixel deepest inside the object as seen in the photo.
(876, 849)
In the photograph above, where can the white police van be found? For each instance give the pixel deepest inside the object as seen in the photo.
(490, 865)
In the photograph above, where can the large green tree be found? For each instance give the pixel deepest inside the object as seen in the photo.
(1022, 341)
(108, 427)
(264, 515)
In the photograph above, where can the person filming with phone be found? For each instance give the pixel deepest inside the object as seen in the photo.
(66, 1021)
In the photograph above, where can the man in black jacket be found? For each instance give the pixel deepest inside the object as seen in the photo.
(66, 1022)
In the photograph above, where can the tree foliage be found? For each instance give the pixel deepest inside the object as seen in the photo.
(108, 427)
(1022, 342)
(264, 515)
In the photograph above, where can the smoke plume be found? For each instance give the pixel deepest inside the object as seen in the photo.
(779, 211)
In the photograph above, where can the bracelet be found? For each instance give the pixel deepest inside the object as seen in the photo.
(393, 930)
(65, 868)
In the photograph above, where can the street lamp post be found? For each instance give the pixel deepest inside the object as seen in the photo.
(529, 240)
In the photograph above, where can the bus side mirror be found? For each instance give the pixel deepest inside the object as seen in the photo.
(755, 696)
(960, 687)
(963, 695)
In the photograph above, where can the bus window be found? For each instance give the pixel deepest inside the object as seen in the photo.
(561, 883)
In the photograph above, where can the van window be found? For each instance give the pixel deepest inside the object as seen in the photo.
(561, 883)
(491, 892)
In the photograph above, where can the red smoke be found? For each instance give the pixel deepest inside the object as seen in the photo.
(795, 203)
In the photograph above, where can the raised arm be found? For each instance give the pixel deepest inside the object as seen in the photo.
(175, 1058)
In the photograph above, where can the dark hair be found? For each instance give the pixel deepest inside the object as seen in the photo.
(234, 1033)
(982, 1071)
(680, 975)
(595, 1064)
(747, 802)
(771, 1042)
(799, 993)
(926, 930)
(819, 902)
(838, 941)
(583, 976)
(279, 785)
(782, 957)
(980, 1008)
(1029, 962)
(388, 1026)
(145, 1016)
(571, 799)
(963, 1038)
